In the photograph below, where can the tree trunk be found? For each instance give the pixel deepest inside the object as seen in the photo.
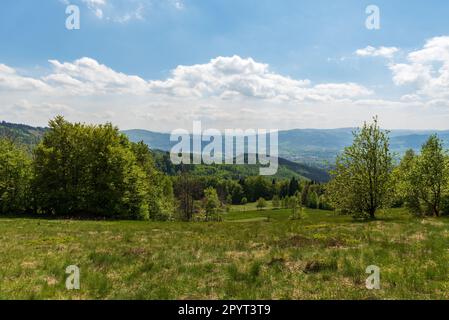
(436, 212)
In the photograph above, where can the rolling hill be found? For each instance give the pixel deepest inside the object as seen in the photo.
(21, 133)
(287, 169)
(315, 147)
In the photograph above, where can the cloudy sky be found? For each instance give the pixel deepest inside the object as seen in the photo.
(274, 64)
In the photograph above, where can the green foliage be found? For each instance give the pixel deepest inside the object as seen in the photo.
(406, 184)
(21, 134)
(423, 179)
(362, 179)
(313, 201)
(296, 207)
(211, 202)
(444, 208)
(15, 178)
(236, 192)
(185, 187)
(432, 174)
(159, 188)
(261, 204)
(284, 202)
(95, 171)
(287, 169)
(305, 195)
(324, 203)
(293, 187)
(257, 187)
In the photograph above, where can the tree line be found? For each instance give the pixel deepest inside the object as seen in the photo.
(79, 170)
(368, 176)
(83, 170)
(192, 191)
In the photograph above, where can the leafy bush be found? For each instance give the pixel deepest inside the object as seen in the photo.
(97, 171)
(261, 203)
(15, 178)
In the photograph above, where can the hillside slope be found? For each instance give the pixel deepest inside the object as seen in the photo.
(287, 169)
(316, 147)
(21, 133)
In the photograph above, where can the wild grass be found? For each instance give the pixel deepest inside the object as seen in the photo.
(251, 255)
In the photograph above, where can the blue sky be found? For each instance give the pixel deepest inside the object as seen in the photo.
(306, 41)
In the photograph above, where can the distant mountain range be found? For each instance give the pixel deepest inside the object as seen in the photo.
(317, 147)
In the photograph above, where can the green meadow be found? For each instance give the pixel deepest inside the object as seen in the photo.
(250, 255)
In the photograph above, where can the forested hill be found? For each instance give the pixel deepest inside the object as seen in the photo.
(21, 133)
(287, 169)
(315, 147)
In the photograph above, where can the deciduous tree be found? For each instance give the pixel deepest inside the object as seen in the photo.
(15, 178)
(362, 180)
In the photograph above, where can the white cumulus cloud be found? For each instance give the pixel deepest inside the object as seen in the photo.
(426, 68)
(230, 77)
(10, 80)
(88, 77)
(225, 92)
(369, 51)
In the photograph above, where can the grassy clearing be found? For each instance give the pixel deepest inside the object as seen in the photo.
(250, 207)
(252, 255)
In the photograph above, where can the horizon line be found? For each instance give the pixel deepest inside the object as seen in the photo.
(279, 130)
